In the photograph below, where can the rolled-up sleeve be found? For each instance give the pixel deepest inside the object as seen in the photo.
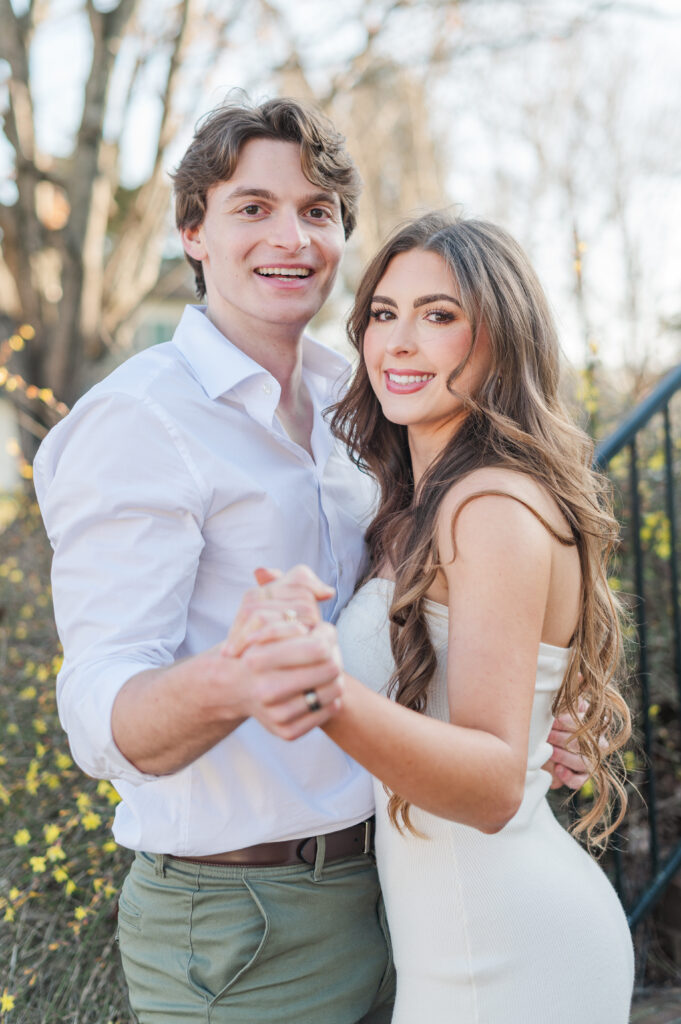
(123, 504)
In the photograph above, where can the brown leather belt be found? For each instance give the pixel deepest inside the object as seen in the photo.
(347, 842)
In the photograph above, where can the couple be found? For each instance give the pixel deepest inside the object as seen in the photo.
(253, 896)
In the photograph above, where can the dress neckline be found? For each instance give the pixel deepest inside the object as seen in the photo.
(441, 611)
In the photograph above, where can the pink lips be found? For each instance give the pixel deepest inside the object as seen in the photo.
(409, 388)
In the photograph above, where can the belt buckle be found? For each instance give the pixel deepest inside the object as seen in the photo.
(367, 836)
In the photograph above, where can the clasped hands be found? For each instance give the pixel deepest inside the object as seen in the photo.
(291, 656)
(294, 662)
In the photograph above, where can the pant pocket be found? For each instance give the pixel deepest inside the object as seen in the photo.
(227, 938)
(386, 990)
(129, 914)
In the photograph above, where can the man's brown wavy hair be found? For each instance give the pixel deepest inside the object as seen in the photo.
(213, 154)
(515, 419)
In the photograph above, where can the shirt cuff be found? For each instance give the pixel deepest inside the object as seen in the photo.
(85, 698)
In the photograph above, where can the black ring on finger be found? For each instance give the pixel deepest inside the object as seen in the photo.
(312, 700)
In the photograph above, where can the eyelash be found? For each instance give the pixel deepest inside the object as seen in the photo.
(376, 312)
(446, 315)
(257, 208)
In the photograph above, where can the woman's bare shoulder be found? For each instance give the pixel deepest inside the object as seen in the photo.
(497, 481)
(495, 499)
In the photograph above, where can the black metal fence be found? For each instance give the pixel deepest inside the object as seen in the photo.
(640, 457)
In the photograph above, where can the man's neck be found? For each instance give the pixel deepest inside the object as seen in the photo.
(278, 348)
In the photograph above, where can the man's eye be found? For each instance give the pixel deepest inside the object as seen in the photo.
(319, 213)
(251, 209)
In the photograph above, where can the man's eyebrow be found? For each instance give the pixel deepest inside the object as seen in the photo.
(438, 297)
(248, 191)
(322, 197)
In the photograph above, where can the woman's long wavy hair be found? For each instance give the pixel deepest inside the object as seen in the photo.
(516, 419)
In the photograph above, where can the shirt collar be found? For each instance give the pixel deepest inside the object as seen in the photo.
(220, 365)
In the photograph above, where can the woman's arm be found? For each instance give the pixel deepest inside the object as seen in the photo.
(472, 770)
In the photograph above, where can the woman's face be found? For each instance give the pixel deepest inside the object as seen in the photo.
(417, 334)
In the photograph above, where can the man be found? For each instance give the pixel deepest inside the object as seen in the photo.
(253, 896)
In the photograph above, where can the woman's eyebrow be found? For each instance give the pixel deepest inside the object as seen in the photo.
(384, 299)
(425, 299)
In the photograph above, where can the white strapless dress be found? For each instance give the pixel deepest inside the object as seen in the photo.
(521, 927)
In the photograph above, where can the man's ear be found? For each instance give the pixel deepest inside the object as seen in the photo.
(192, 241)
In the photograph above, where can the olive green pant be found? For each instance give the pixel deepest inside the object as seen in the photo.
(223, 944)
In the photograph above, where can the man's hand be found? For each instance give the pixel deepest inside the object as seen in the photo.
(567, 766)
(294, 679)
(289, 658)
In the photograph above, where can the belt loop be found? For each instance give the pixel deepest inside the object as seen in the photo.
(160, 865)
(367, 836)
(319, 859)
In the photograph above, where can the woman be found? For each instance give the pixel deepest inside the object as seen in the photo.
(485, 610)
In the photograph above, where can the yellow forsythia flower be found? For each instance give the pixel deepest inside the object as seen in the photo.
(83, 802)
(91, 821)
(6, 1002)
(51, 833)
(22, 837)
(38, 864)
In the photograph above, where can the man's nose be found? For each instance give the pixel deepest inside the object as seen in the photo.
(288, 232)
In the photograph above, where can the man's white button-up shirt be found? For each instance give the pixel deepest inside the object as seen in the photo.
(162, 490)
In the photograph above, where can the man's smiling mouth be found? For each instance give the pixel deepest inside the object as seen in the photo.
(283, 271)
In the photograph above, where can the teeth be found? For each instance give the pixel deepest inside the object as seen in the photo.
(411, 378)
(283, 271)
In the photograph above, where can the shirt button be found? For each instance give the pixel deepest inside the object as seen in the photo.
(267, 388)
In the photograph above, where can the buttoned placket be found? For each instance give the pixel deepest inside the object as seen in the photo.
(264, 411)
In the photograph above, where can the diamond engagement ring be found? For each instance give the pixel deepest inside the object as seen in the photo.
(290, 614)
(312, 700)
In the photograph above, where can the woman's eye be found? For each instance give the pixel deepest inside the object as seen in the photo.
(381, 314)
(440, 316)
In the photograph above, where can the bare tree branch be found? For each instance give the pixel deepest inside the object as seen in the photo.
(133, 266)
